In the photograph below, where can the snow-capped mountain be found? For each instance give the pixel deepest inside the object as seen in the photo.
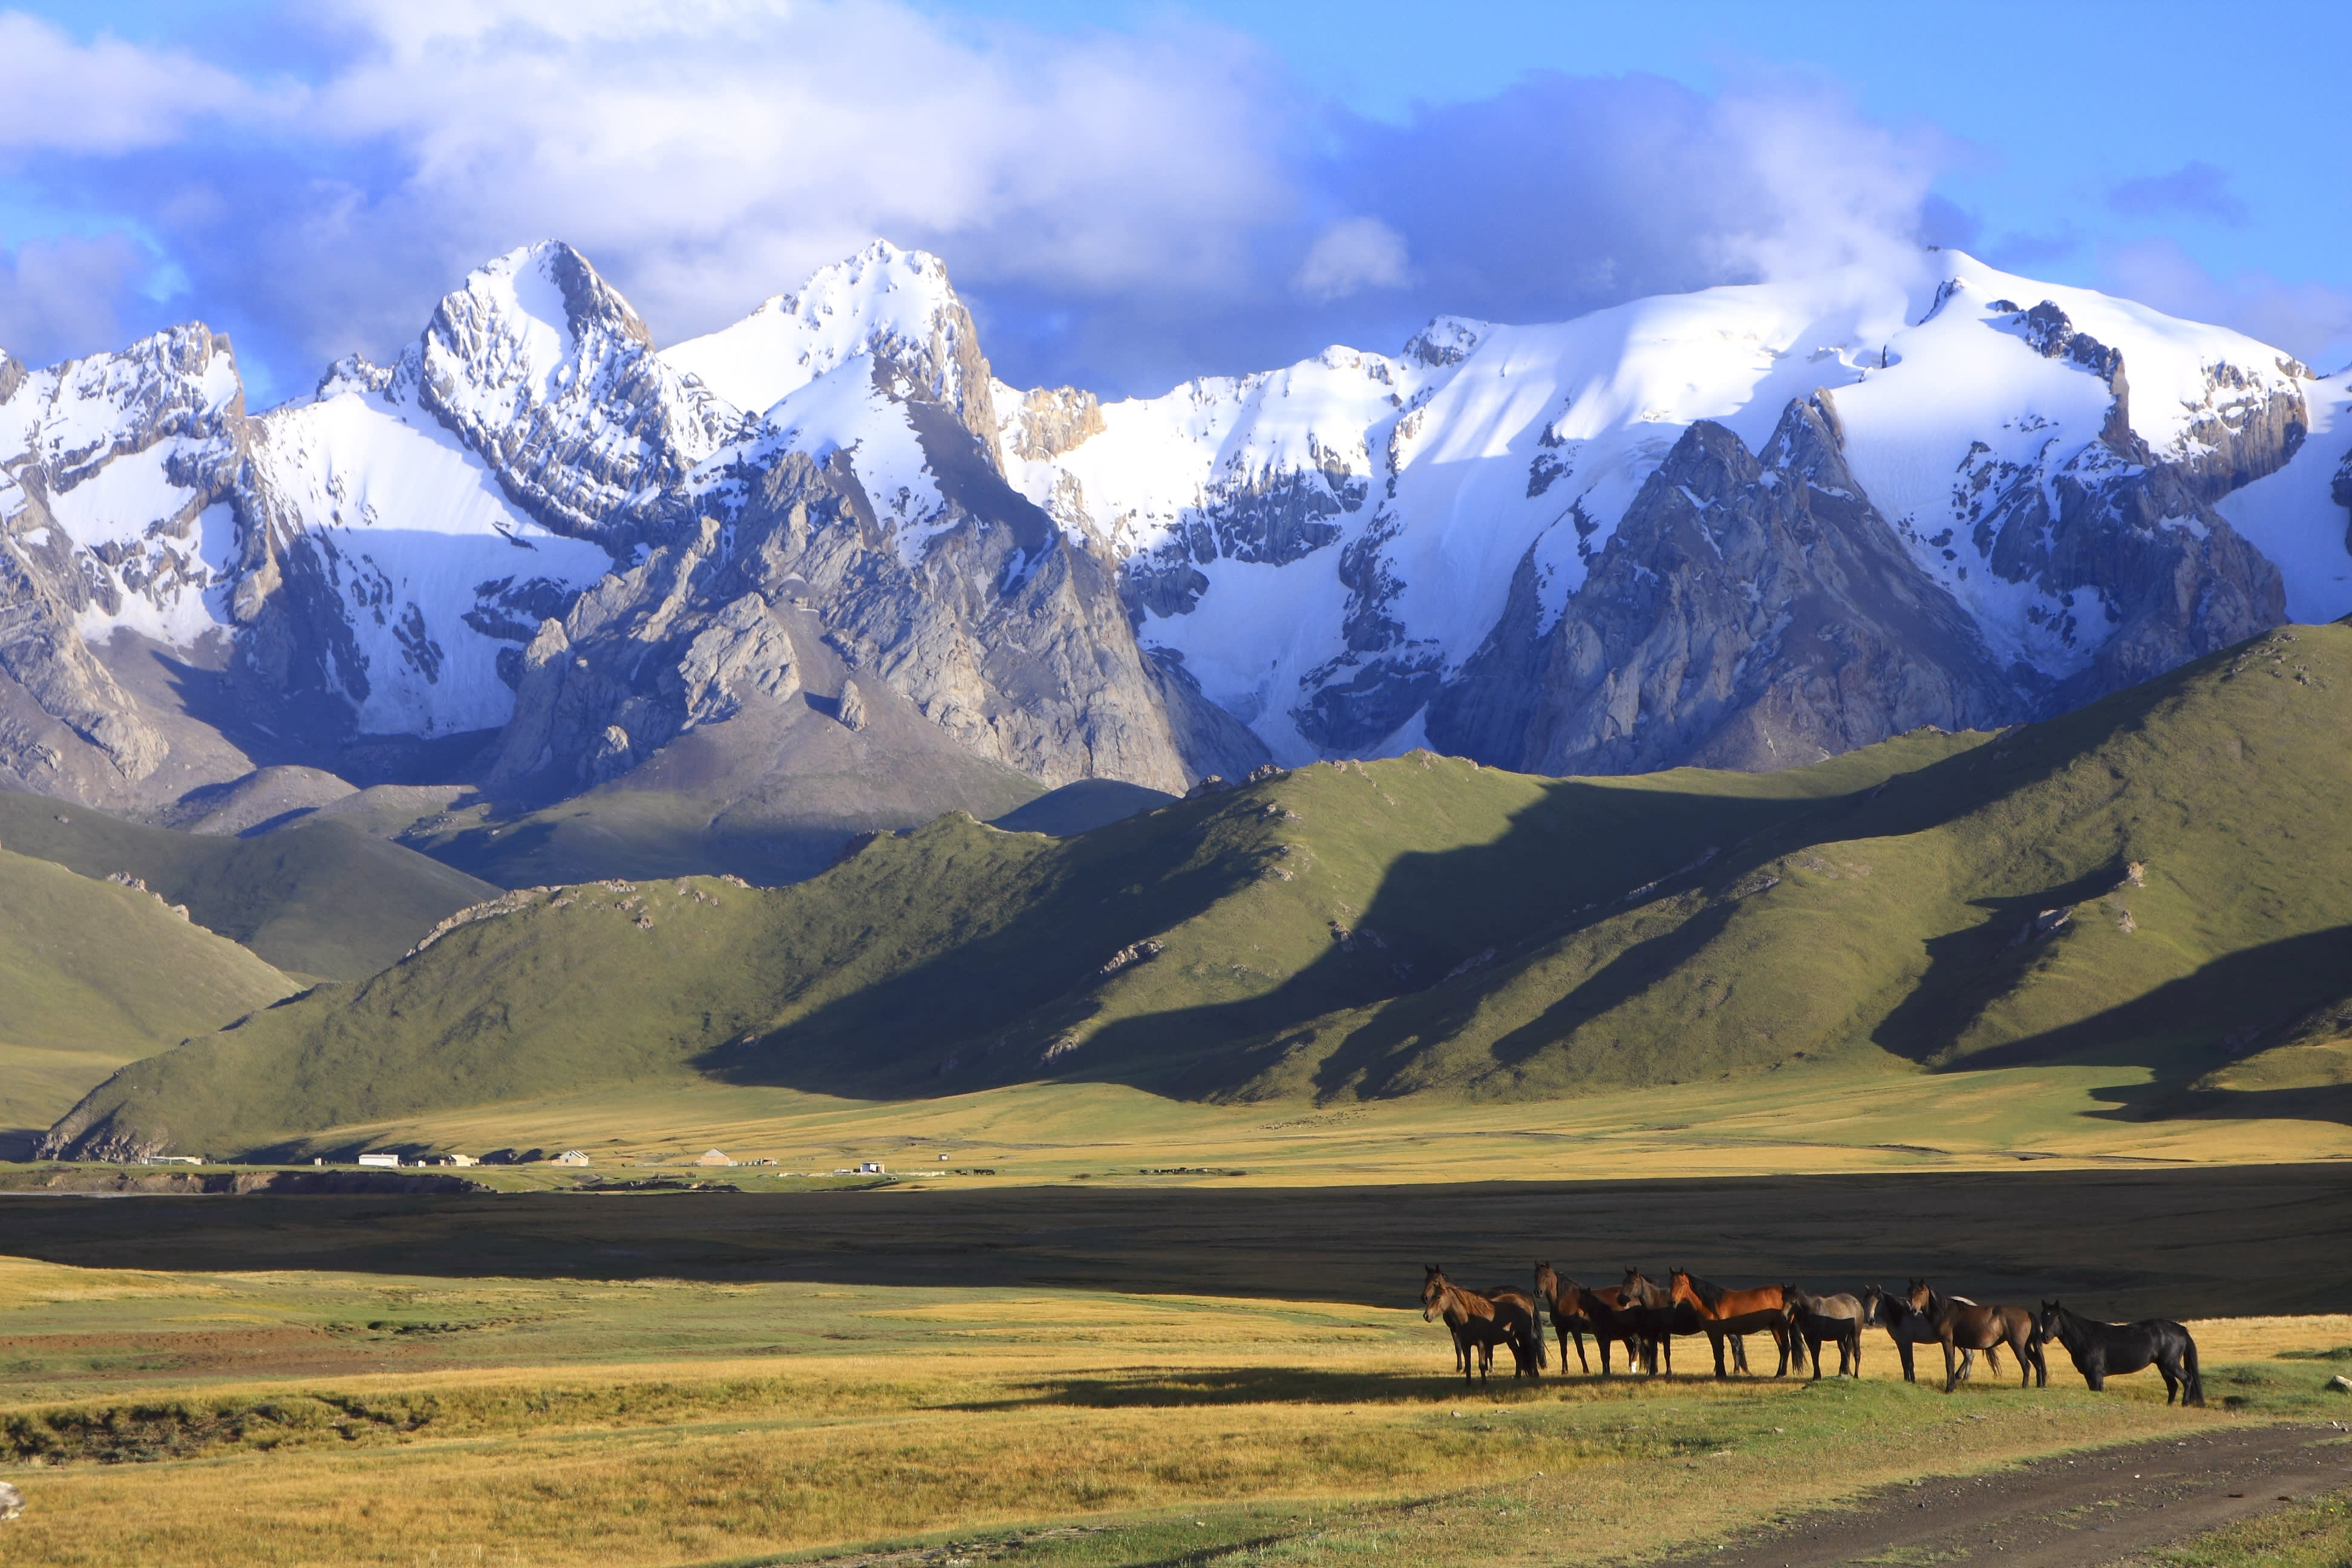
(1744, 526)
(1331, 549)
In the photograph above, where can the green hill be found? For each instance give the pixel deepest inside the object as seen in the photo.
(319, 898)
(1418, 926)
(93, 975)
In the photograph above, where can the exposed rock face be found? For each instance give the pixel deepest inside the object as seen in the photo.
(581, 423)
(1544, 546)
(1747, 612)
(994, 626)
(109, 467)
(2341, 491)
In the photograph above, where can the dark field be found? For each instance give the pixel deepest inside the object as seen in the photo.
(2127, 1243)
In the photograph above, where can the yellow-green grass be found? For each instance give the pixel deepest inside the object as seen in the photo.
(320, 897)
(1802, 1119)
(285, 1418)
(93, 975)
(2310, 1533)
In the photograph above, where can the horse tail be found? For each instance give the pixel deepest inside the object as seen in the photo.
(2196, 1394)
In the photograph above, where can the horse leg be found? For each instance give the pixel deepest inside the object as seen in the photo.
(1582, 1365)
(1902, 1353)
(2166, 1369)
(1780, 1337)
(1715, 1340)
(2023, 1351)
(1951, 1366)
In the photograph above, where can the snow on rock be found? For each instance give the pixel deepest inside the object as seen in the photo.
(545, 372)
(1323, 547)
(891, 306)
(434, 571)
(2301, 516)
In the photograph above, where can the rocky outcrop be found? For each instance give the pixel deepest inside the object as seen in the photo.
(2340, 490)
(107, 466)
(998, 629)
(1750, 611)
(579, 431)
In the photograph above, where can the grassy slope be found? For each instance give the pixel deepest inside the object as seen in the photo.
(1500, 942)
(92, 976)
(960, 956)
(317, 899)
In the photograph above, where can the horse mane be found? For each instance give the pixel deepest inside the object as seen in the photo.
(1711, 1295)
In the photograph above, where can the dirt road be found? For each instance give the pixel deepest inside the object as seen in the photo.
(2073, 1512)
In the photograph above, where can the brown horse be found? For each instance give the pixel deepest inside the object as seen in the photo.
(1892, 1312)
(1578, 1311)
(1835, 1319)
(1512, 1296)
(1478, 1321)
(1964, 1325)
(1734, 1313)
(1659, 1318)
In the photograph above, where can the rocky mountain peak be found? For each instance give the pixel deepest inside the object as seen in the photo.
(1447, 340)
(541, 367)
(896, 306)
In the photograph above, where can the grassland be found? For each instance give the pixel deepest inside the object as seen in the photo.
(93, 975)
(322, 898)
(295, 1418)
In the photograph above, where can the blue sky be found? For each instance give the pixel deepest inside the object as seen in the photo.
(1132, 192)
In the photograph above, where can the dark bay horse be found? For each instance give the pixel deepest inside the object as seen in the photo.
(1477, 1321)
(1564, 1300)
(1734, 1314)
(1659, 1318)
(1813, 1319)
(2103, 1348)
(1907, 1328)
(1957, 1323)
(1603, 1313)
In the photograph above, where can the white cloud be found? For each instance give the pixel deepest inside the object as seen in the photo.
(1349, 257)
(2310, 320)
(708, 155)
(104, 97)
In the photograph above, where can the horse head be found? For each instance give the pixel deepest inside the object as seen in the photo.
(1918, 1297)
(1876, 1304)
(1434, 1288)
(2046, 1319)
(1546, 1281)
(1678, 1287)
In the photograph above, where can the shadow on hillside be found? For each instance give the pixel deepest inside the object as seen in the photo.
(1438, 923)
(2230, 1008)
(1971, 969)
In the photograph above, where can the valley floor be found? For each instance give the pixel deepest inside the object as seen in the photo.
(1076, 1375)
(1830, 1117)
(299, 1418)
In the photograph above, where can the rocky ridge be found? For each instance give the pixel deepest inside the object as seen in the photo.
(1744, 527)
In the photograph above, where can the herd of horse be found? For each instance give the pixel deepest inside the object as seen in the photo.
(1646, 1317)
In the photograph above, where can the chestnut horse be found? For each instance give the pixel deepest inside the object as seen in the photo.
(1477, 1321)
(1963, 1324)
(1734, 1313)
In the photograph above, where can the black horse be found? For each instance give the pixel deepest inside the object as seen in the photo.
(1907, 1326)
(2101, 1349)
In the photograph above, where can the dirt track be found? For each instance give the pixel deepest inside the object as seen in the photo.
(2067, 1512)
